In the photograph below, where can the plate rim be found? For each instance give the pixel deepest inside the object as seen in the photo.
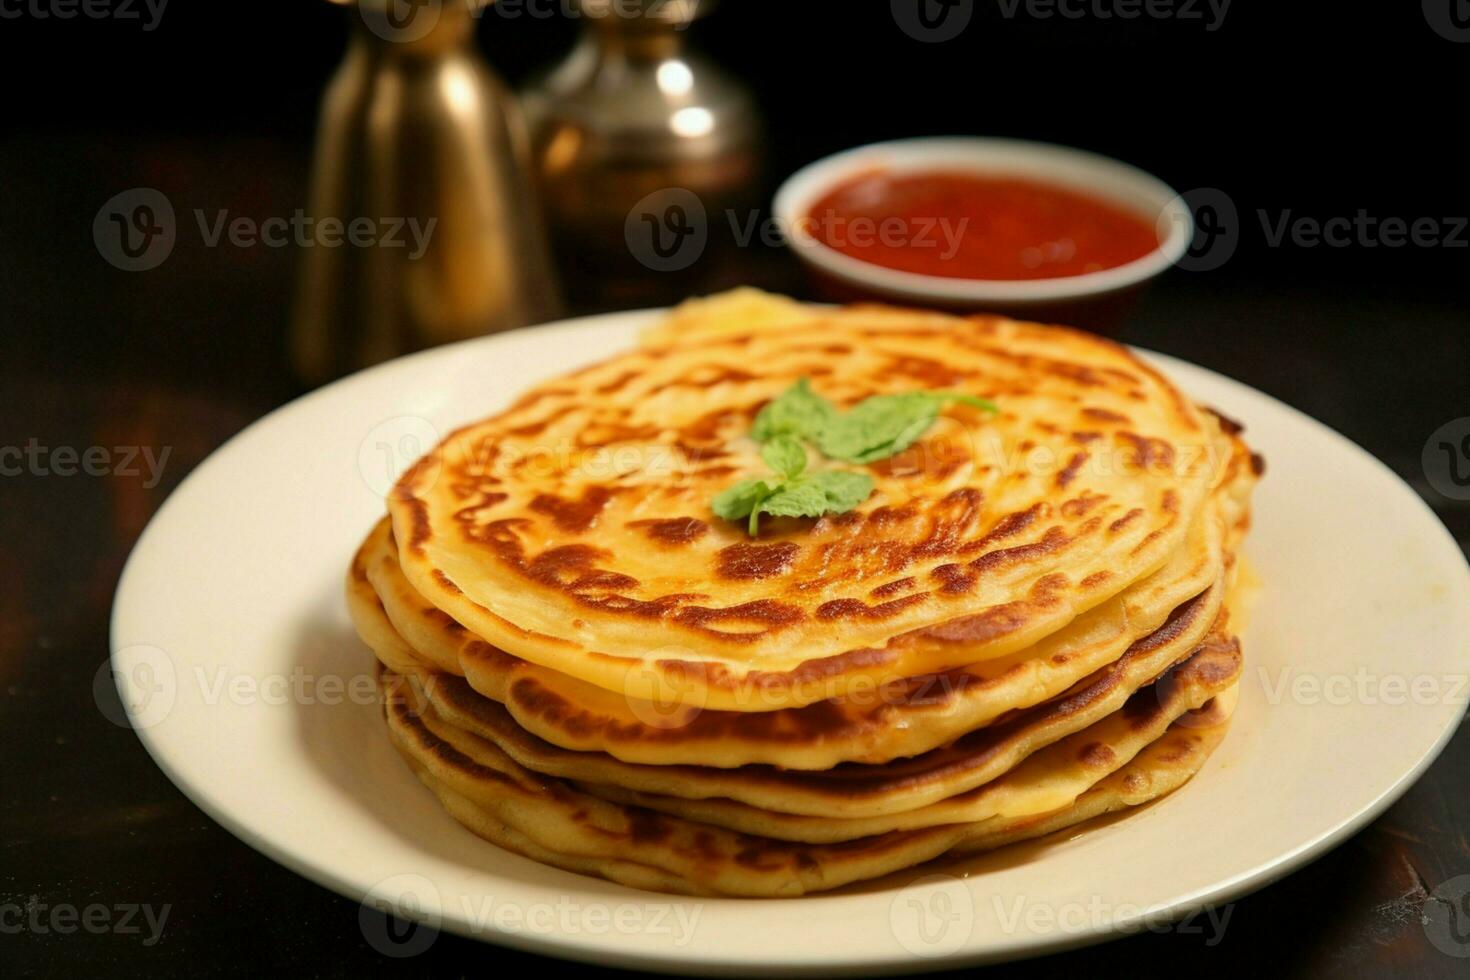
(587, 948)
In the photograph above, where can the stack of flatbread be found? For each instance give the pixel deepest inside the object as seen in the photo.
(622, 630)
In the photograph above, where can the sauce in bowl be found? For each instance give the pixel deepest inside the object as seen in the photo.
(972, 226)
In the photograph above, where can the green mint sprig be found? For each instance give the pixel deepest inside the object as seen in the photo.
(875, 428)
(792, 491)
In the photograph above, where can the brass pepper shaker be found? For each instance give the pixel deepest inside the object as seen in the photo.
(420, 136)
(647, 157)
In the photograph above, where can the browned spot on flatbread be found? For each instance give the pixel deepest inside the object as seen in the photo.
(756, 561)
(857, 609)
(1125, 520)
(1146, 452)
(1054, 540)
(982, 627)
(890, 589)
(573, 516)
(1079, 506)
(1007, 527)
(766, 613)
(674, 530)
(1070, 471)
(446, 583)
(1104, 415)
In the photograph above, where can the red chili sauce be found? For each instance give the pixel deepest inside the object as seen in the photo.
(968, 226)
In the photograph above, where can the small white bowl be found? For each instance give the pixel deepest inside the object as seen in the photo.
(1098, 176)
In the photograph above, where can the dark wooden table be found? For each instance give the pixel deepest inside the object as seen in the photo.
(180, 358)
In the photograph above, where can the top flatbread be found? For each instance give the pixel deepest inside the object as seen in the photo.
(574, 529)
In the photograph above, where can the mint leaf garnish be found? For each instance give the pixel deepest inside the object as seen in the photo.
(873, 429)
(798, 411)
(786, 455)
(884, 425)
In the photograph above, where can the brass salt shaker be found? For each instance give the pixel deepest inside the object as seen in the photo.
(643, 150)
(415, 127)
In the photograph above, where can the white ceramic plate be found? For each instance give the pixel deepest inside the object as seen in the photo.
(248, 686)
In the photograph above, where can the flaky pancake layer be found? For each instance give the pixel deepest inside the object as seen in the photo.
(1045, 781)
(569, 526)
(553, 822)
(899, 719)
(848, 791)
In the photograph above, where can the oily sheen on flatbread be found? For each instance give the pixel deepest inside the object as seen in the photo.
(573, 530)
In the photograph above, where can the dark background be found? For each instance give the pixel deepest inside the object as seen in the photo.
(1320, 109)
